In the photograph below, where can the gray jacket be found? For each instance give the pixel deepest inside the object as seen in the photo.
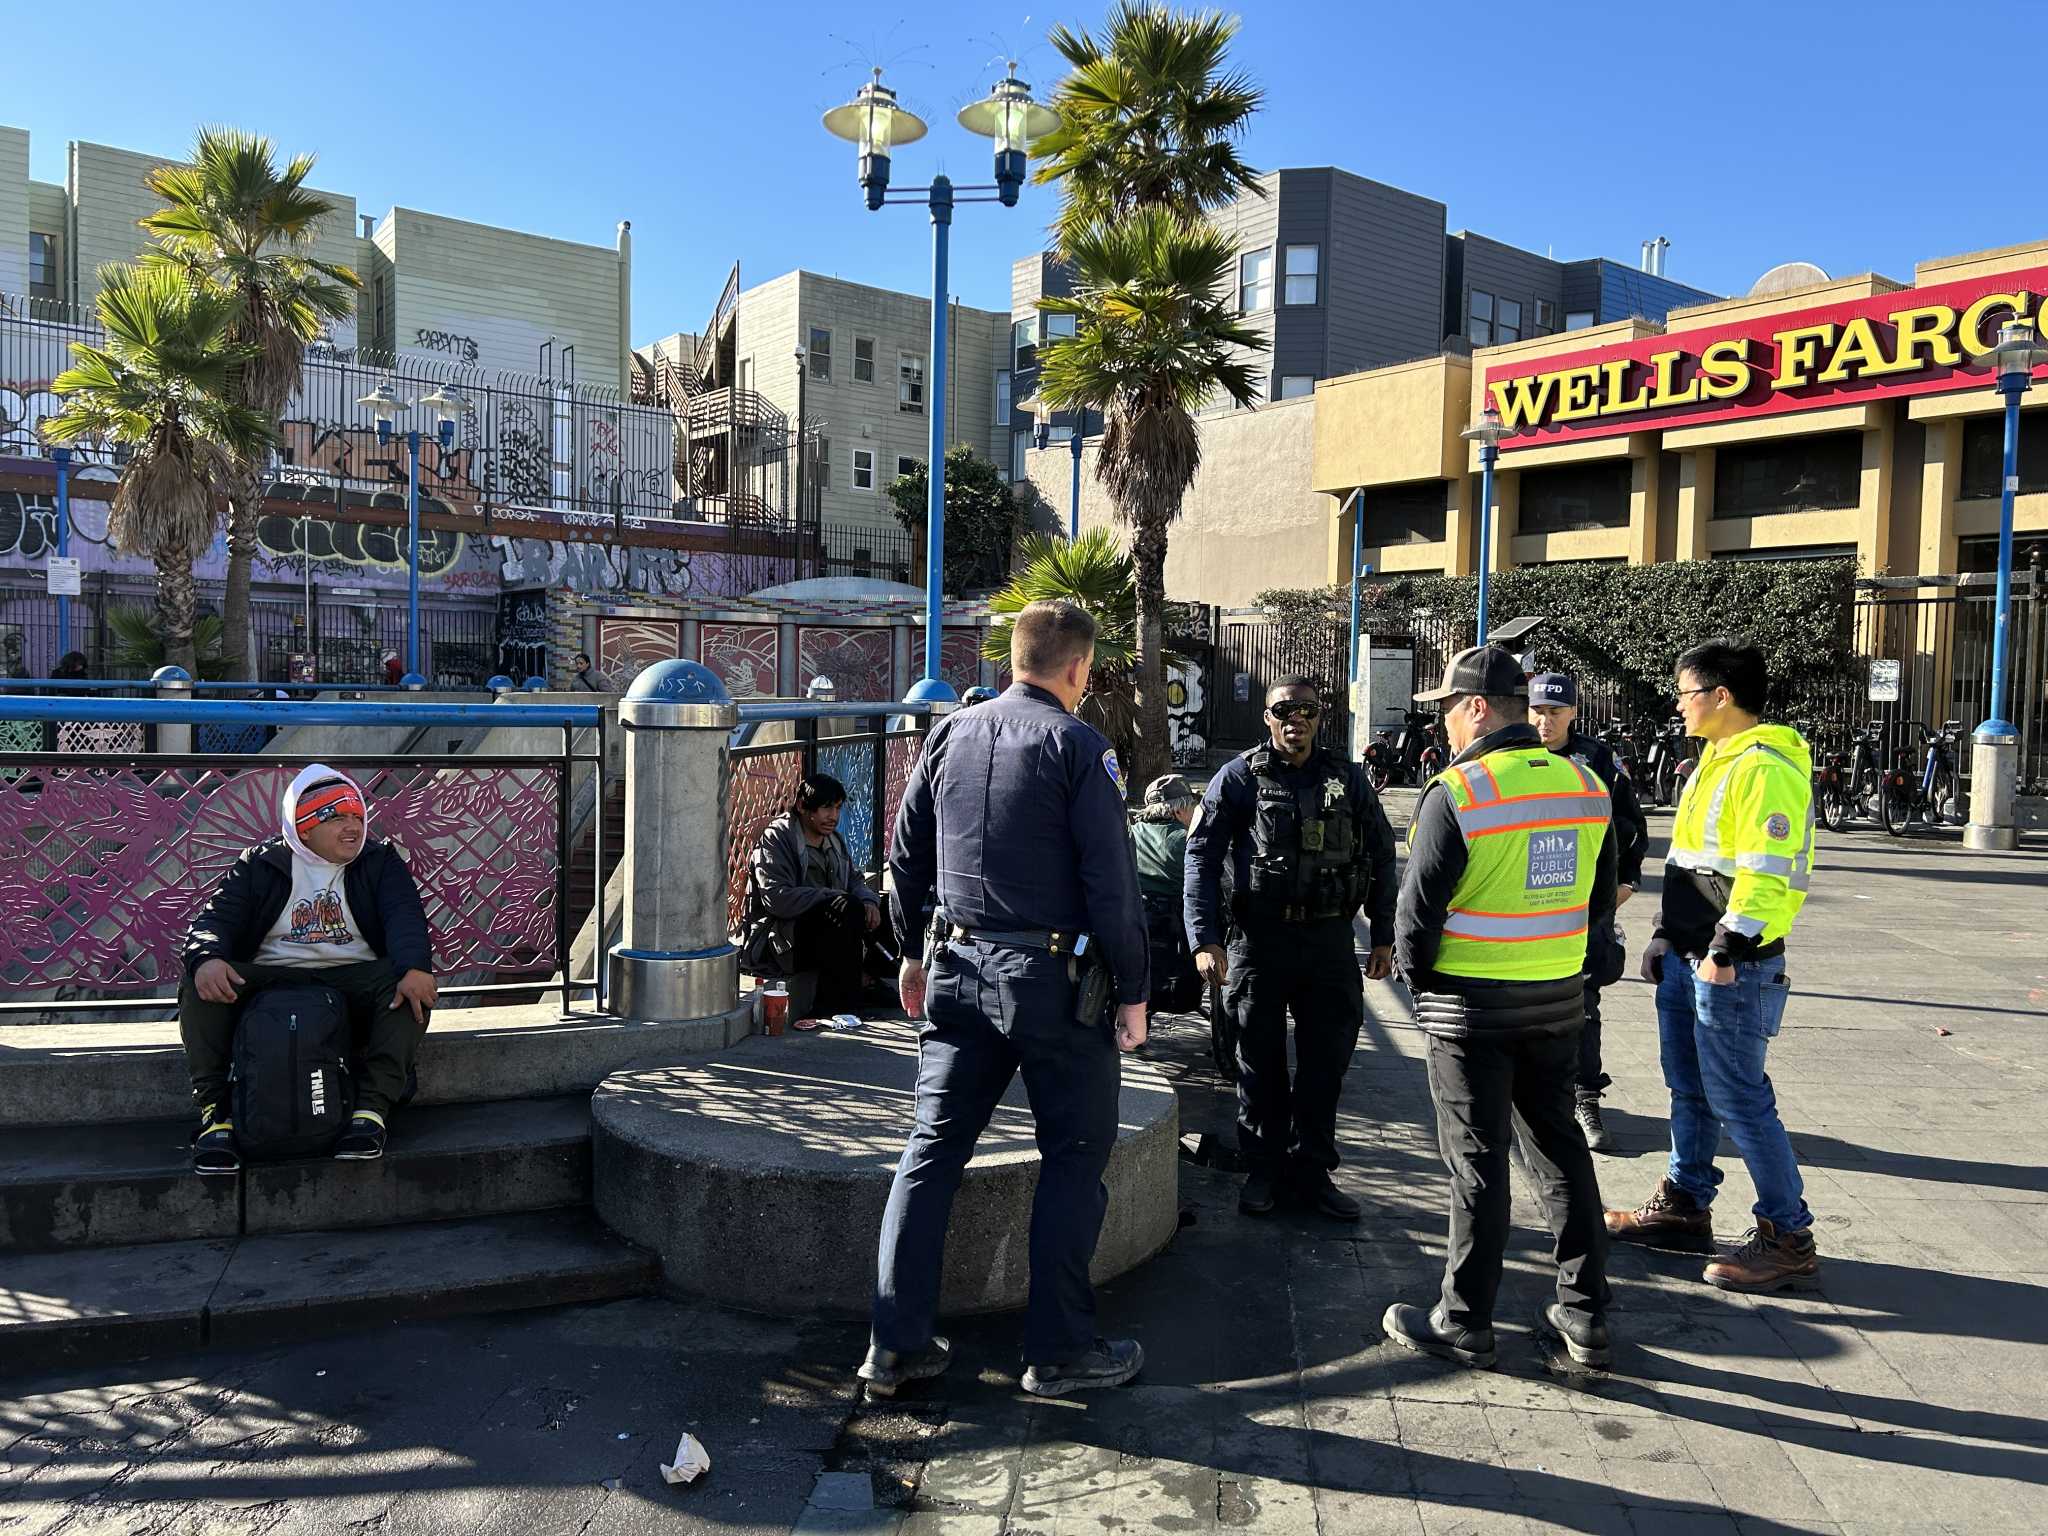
(778, 894)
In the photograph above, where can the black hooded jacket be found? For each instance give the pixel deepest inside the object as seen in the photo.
(381, 895)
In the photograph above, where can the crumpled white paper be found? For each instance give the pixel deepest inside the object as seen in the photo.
(692, 1461)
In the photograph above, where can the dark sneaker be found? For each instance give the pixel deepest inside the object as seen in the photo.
(363, 1141)
(1111, 1363)
(1315, 1187)
(1256, 1197)
(213, 1149)
(1586, 1110)
(1427, 1333)
(1766, 1261)
(887, 1369)
(1584, 1338)
(1670, 1218)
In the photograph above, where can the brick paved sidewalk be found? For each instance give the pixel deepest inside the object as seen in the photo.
(1909, 1393)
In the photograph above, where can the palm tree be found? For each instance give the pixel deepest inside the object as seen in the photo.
(1146, 146)
(156, 389)
(236, 225)
(1095, 573)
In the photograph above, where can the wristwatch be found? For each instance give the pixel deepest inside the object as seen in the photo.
(1720, 957)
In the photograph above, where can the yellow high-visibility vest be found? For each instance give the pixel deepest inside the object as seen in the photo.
(1533, 823)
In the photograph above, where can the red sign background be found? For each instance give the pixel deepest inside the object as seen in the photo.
(1759, 399)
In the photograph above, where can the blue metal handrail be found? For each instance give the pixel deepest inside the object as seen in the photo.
(283, 712)
(807, 709)
(88, 684)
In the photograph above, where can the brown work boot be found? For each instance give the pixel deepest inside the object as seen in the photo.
(1670, 1218)
(1766, 1261)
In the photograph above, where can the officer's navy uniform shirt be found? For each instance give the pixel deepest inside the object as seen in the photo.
(1014, 820)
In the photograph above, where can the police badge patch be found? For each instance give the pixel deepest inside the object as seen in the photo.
(1113, 769)
(1778, 826)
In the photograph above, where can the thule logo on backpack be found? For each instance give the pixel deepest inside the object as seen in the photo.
(319, 1085)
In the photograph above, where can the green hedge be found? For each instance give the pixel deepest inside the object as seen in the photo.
(1624, 625)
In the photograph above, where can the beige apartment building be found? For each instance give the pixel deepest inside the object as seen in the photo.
(486, 298)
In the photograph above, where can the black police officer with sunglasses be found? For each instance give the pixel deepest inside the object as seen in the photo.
(1307, 845)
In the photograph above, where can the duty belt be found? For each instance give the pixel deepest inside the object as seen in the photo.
(1052, 942)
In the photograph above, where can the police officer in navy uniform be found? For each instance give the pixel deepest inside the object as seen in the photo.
(1307, 844)
(1013, 821)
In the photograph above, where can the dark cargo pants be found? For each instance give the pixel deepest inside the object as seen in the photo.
(1311, 970)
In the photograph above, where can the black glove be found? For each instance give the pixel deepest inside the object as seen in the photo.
(840, 908)
(1653, 959)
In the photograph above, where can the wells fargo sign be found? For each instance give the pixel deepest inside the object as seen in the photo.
(1917, 341)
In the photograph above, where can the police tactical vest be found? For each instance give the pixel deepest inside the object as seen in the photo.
(1532, 823)
(1304, 841)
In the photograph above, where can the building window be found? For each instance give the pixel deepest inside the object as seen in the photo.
(1053, 327)
(1302, 264)
(906, 465)
(1984, 456)
(863, 469)
(1255, 280)
(910, 383)
(1507, 325)
(863, 359)
(1546, 318)
(42, 266)
(821, 353)
(1002, 397)
(1020, 454)
(1406, 514)
(1294, 385)
(1793, 474)
(1578, 320)
(1575, 497)
(1480, 330)
(1024, 343)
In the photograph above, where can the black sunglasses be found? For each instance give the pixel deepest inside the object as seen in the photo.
(1289, 709)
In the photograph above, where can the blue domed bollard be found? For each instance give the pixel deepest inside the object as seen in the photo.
(412, 682)
(173, 683)
(674, 960)
(500, 684)
(535, 685)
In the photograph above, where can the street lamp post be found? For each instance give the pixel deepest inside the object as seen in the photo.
(1994, 745)
(1041, 437)
(1487, 433)
(448, 407)
(875, 122)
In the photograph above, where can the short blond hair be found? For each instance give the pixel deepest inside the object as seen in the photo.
(1050, 634)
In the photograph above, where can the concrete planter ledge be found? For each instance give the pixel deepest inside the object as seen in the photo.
(758, 1176)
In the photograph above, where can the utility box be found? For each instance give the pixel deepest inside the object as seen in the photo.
(1385, 689)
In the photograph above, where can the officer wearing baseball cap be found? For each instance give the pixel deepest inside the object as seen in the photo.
(1554, 711)
(1508, 855)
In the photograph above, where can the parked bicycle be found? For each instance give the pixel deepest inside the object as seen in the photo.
(1934, 794)
(1415, 756)
(1854, 781)
(1616, 739)
(1668, 763)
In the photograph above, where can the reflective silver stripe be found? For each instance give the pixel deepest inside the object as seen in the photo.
(1533, 810)
(1533, 925)
(1768, 863)
(1689, 858)
(1480, 781)
(1748, 927)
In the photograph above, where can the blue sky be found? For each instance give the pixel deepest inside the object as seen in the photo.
(1854, 136)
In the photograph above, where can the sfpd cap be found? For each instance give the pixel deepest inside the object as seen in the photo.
(1169, 789)
(1553, 688)
(1483, 669)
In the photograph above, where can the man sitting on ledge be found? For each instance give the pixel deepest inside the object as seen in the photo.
(322, 902)
(811, 918)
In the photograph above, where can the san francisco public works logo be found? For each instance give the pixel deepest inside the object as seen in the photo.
(1553, 861)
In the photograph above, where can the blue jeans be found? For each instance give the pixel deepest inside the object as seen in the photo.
(1713, 1041)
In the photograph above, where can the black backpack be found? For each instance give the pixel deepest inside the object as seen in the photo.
(291, 1089)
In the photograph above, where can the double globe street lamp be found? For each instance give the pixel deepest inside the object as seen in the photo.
(447, 408)
(875, 122)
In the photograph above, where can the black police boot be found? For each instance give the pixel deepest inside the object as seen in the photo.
(1256, 1197)
(1315, 1187)
(887, 1369)
(1111, 1363)
(1586, 1110)
(1427, 1333)
(1584, 1337)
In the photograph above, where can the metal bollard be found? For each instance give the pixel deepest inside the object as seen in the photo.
(675, 960)
(1994, 791)
(173, 683)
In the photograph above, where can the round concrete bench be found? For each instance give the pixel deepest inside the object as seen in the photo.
(758, 1176)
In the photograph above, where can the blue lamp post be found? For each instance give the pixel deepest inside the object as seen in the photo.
(1041, 436)
(60, 455)
(448, 407)
(875, 122)
(1994, 752)
(1487, 433)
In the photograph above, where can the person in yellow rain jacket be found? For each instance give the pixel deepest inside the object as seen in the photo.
(1736, 877)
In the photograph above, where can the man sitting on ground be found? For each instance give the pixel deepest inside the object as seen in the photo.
(810, 915)
(322, 902)
(1159, 838)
